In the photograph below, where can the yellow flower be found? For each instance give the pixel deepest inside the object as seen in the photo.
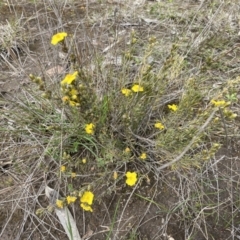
(232, 116)
(143, 156)
(74, 97)
(220, 103)
(65, 99)
(59, 203)
(84, 160)
(71, 199)
(127, 150)
(63, 168)
(73, 175)
(73, 103)
(173, 107)
(73, 92)
(86, 201)
(90, 128)
(86, 207)
(137, 88)
(131, 178)
(69, 78)
(87, 197)
(159, 125)
(115, 175)
(126, 92)
(57, 38)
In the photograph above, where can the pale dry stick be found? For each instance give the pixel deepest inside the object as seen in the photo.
(25, 187)
(231, 192)
(123, 211)
(216, 162)
(202, 128)
(215, 171)
(87, 9)
(203, 34)
(8, 63)
(186, 188)
(29, 205)
(120, 37)
(42, 32)
(58, 12)
(26, 215)
(140, 223)
(194, 222)
(9, 6)
(200, 221)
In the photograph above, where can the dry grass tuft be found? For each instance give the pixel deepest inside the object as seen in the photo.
(133, 115)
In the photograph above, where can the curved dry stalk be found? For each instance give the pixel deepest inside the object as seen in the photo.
(201, 129)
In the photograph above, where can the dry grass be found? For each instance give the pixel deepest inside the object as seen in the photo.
(182, 53)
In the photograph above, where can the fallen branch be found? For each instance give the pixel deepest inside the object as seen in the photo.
(178, 158)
